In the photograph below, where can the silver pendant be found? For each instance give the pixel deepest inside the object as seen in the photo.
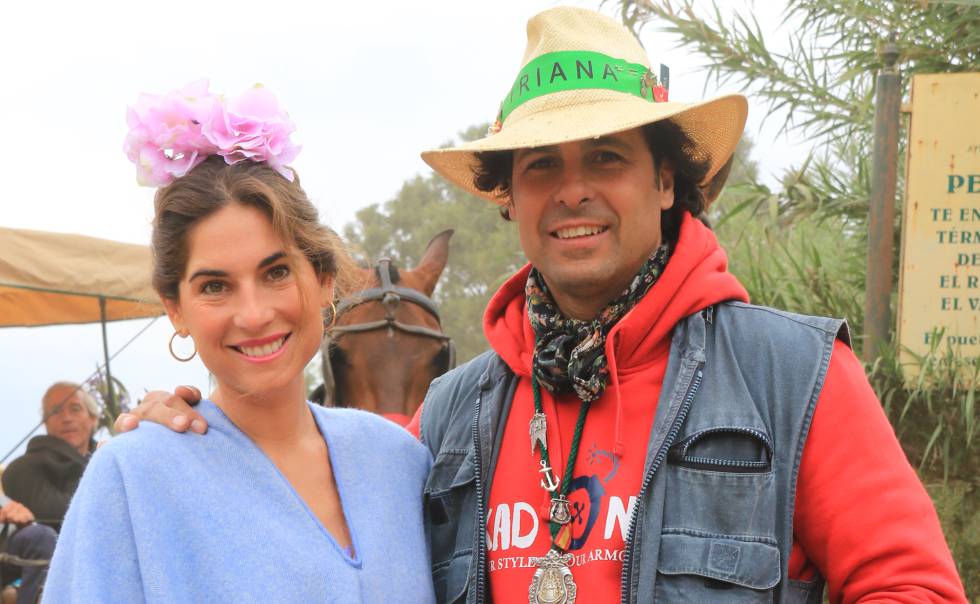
(538, 430)
(549, 482)
(560, 511)
(552, 582)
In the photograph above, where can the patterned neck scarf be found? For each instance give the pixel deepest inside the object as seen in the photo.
(570, 354)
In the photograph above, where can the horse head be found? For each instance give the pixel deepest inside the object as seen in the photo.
(387, 344)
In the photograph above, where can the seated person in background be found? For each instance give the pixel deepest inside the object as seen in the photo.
(45, 477)
(40, 483)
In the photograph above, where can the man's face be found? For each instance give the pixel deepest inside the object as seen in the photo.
(68, 418)
(588, 214)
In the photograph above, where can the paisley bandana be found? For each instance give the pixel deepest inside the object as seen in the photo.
(570, 354)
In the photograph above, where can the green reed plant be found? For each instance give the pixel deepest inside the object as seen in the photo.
(932, 404)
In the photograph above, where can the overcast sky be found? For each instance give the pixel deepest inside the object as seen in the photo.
(369, 85)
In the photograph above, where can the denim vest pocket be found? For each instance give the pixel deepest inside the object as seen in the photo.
(449, 578)
(718, 534)
(450, 516)
(720, 481)
(710, 568)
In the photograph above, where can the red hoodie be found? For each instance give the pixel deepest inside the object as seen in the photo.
(861, 517)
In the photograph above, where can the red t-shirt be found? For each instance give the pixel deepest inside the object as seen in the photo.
(603, 490)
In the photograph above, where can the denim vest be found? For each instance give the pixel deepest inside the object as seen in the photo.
(714, 516)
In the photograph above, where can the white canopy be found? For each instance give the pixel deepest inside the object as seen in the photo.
(54, 278)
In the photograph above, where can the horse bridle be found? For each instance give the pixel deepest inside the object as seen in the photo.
(390, 296)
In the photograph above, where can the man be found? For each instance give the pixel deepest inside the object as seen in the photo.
(638, 432)
(668, 420)
(41, 482)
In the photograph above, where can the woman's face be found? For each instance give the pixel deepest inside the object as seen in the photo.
(255, 316)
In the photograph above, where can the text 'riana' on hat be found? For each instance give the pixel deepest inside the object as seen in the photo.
(585, 75)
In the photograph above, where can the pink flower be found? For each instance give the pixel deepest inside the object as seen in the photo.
(659, 94)
(165, 139)
(253, 127)
(171, 134)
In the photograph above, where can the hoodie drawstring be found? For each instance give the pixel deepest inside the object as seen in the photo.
(619, 446)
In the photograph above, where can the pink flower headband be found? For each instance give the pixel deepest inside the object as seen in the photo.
(170, 134)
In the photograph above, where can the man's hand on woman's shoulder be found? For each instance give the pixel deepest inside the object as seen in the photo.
(173, 410)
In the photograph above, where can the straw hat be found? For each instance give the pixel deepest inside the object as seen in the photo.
(585, 75)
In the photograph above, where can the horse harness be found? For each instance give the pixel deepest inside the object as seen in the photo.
(390, 296)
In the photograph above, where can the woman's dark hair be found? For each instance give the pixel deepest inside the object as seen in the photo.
(666, 141)
(213, 185)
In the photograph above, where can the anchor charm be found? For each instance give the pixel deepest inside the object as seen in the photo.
(549, 482)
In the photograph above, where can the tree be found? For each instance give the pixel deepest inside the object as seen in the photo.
(824, 83)
(484, 250)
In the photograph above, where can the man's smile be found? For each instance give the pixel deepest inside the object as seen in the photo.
(573, 232)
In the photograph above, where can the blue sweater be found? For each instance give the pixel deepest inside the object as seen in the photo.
(179, 518)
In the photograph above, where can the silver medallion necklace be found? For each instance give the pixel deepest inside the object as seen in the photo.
(553, 582)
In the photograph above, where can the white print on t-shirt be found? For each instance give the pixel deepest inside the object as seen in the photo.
(596, 555)
(517, 525)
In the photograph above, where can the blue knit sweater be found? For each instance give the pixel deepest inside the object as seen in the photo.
(167, 517)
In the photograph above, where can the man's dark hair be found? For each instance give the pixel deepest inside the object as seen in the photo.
(666, 141)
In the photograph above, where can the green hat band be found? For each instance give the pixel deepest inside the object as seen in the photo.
(580, 70)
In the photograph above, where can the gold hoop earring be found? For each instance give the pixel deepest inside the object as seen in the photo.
(333, 317)
(170, 347)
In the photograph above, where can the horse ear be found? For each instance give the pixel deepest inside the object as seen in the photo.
(433, 262)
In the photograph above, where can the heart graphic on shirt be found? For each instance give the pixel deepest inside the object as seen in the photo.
(584, 499)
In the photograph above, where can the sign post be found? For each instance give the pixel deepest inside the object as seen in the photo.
(881, 211)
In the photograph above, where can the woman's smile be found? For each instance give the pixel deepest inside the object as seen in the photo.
(262, 350)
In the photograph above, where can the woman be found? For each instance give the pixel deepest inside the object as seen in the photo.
(285, 501)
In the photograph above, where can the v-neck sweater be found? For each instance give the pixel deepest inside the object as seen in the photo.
(166, 517)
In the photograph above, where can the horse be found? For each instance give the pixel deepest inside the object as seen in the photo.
(386, 343)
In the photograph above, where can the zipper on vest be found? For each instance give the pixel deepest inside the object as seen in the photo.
(675, 428)
(681, 458)
(750, 431)
(708, 463)
(481, 517)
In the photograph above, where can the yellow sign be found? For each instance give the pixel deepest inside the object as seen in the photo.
(939, 287)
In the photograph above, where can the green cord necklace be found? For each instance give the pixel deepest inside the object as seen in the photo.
(552, 582)
(560, 514)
